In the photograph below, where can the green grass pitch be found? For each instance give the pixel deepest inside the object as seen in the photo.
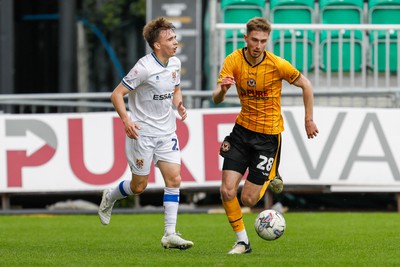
(310, 239)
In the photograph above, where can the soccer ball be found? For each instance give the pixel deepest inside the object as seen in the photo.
(270, 224)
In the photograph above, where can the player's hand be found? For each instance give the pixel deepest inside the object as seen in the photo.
(226, 83)
(182, 111)
(131, 129)
(311, 129)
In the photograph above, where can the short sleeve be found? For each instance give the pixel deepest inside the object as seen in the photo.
(227, 68)
(178, 72)
(287, 71)
(136, 76)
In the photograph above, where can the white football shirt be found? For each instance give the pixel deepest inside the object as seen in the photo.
(152, 88)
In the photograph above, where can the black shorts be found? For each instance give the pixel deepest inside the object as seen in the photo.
(258, 152)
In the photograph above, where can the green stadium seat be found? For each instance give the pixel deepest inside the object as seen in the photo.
(296, 58)
(293, 12)
(239, 11)
(241, 3)
(229, 45)
(341, 12)
(384, 12)
(379, 45)
(346, 51)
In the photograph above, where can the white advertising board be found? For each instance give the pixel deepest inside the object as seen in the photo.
(356, 150)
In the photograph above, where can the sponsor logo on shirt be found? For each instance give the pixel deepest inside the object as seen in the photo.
(254, 94)
(163, 97)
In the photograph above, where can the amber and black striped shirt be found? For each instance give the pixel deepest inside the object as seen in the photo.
(259, 88)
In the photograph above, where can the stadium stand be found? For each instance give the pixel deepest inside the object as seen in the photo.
(305, 32)
(239, 11)
(368, 93)
(293, 12)
(341, 12)
(384, 42)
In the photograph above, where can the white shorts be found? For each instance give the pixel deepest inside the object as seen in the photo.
(141, 152)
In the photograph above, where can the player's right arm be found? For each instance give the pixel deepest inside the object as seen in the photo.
(117, 99)
(222, 87)
(225, 79)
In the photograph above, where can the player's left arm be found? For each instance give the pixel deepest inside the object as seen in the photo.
(308, 99)
(178, 103)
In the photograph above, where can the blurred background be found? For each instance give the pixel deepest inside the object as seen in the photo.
(67, 56)
(42, 40)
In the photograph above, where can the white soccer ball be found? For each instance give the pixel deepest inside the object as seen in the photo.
(270, 224)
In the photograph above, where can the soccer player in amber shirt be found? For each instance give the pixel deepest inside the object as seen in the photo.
(255, 141)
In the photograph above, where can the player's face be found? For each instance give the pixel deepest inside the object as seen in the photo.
(256, 42)
(167, 43)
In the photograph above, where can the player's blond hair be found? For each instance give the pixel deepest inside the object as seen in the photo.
(258, 24)
(151, 30)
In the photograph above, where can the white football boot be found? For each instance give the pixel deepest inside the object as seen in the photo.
(175, 241)
(240, 248)
(105, 208)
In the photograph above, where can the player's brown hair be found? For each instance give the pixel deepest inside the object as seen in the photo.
(258, 24)
(152, 30)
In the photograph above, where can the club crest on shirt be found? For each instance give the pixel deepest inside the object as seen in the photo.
(174, 75)
(139, 163)
(225, 146)
(251, 82)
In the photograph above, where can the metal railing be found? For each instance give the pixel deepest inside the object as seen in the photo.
(363, 56)
(93, 102)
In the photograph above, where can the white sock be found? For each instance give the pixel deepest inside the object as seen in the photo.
(242, 236)
(171, 205)
(122, 190)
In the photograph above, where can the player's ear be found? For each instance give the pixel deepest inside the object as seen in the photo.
(157, 45)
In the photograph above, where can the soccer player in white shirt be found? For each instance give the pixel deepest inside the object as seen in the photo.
(152, 86)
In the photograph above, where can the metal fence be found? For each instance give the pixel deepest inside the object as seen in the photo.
(332, 56)
(92, 102)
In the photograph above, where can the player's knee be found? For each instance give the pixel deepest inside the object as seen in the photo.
(138, 187)
(227, 194)
(137, 190)
(173, 182)
(248, 201)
